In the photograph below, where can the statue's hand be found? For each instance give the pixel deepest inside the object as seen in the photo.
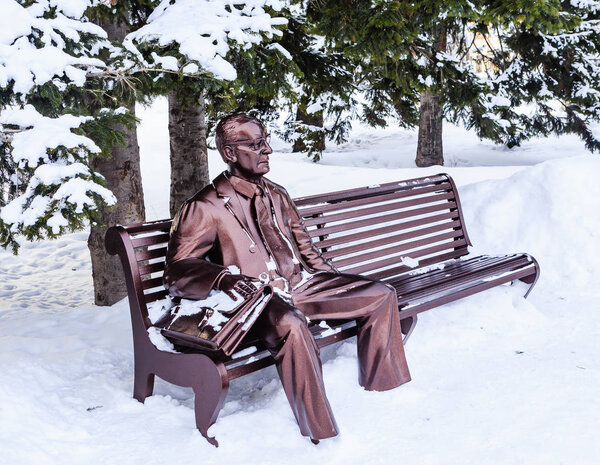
(237, 283)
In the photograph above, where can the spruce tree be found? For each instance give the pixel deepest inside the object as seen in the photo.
(542, 71)
(57, 113)
(417, 62)
(324, 87)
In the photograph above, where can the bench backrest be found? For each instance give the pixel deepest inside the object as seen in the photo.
(379, 231)
(385, 230)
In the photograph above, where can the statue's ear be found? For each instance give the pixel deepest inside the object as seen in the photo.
(229, 154)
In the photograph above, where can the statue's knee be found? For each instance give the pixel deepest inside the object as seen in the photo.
(385, 292)
(292, 320)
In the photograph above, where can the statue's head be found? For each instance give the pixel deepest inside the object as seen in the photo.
(244, 145)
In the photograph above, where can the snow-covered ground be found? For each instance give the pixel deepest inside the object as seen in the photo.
(496, 379)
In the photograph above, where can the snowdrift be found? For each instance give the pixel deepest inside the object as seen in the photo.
(496, 379)
(551, 210)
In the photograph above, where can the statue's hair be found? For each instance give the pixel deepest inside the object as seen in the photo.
(226, 126)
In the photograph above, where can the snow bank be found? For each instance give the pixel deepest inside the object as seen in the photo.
(550, 210)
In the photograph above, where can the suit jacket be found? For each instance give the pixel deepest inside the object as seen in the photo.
(211, 232)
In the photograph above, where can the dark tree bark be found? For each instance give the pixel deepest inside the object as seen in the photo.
(315, 119)
(123, 178)
(429, 149)
(189, 156)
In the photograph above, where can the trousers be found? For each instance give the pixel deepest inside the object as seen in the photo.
(330, 296)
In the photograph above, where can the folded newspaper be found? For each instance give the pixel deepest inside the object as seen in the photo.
(218, 323)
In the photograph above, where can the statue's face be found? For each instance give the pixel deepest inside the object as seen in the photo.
(248, 151)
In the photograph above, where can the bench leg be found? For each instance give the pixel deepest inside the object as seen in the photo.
(143, 384)
(209, 395)
(408, 325)
(532, 278)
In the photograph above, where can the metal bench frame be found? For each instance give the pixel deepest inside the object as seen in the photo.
(377, 231)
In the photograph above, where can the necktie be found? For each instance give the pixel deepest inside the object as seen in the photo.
(273, 237)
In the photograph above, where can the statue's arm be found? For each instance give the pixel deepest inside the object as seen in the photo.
(187, 273)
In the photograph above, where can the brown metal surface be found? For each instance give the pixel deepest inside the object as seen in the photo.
(152, 283)
(370, 222)
(162, 238)
(346, 239)
(365, 192)
(209, 376)
(385, 207)
(459, 293)
(392, 260)
(151, 268)
(396, 271)
(153, 296)
(150, 254)
(453, 282)
(391, 239)
(373, 254)
(308, 211)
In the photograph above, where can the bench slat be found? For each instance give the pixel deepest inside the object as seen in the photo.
(156, 295)
(148, 226)
(309, 211)
(392, 239)
(373, 254)
(150, 283)
(417, 308)
(387, 207)
(471, 264)
(150, 240)
(324, 244)
(456, 273)
(394, 272)
(456, 281)
(381, 219)
(392, 260)
(364, 192)
(142, 255)
(151, 268)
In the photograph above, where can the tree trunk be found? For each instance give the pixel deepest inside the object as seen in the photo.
(189, 156)
(314, 119)
(123, 178)
(429, 149)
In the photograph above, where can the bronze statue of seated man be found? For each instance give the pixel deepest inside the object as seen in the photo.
(242, 219)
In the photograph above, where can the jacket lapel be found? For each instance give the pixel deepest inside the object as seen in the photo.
(230, 197)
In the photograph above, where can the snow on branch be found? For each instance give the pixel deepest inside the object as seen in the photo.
(205, 30)
(35, 48)
(47, 185)
(54, 164)
(39, 133)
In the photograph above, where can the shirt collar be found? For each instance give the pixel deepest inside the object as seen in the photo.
(242, 186)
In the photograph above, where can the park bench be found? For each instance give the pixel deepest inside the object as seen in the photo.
(409, 234)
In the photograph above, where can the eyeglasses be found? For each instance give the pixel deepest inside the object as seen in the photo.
(254, 144)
